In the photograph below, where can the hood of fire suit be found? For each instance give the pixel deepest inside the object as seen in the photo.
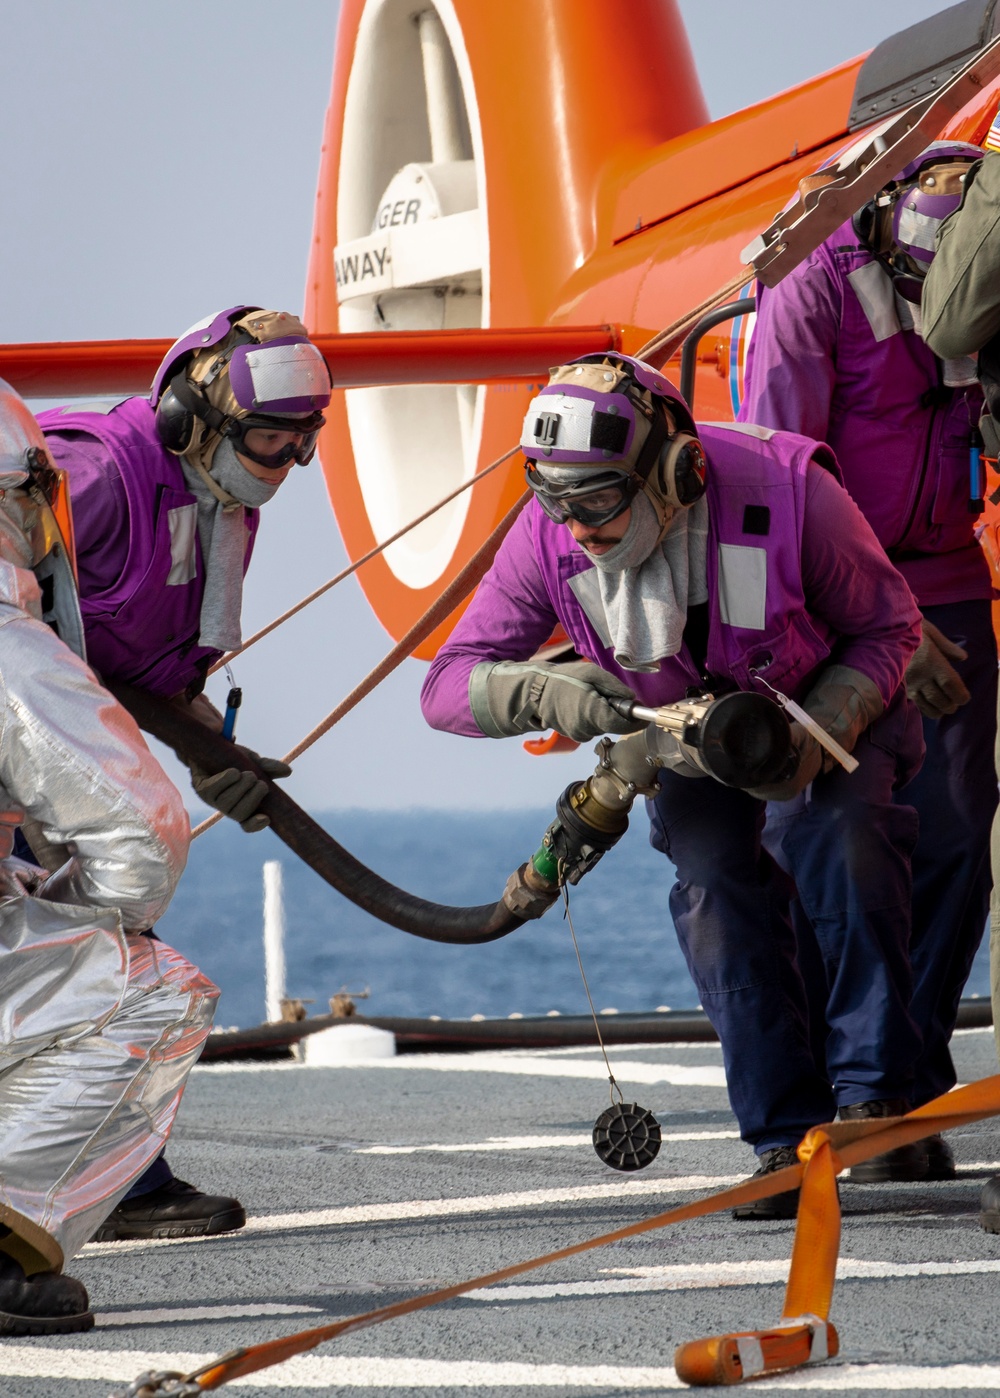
(32, 545)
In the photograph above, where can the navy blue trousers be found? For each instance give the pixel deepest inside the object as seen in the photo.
(847, 847)
(955, 796)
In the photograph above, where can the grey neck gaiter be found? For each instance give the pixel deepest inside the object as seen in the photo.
(222, 533)
(647, 588)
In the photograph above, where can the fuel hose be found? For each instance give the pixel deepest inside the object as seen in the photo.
(435, 922)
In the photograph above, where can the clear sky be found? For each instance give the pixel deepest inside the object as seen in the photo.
(159, 162)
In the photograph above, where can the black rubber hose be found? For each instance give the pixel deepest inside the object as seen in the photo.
(436, 922)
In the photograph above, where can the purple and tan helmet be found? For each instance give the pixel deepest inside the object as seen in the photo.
(279, 374)
(236, 371)
(924, 193)
(932, 187)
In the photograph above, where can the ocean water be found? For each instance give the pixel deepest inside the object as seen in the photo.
(619, 910)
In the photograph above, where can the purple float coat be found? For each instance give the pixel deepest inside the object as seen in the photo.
(830, 591)
(141, 572)
(828, 358)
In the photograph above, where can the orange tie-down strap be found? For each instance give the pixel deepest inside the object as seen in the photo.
(802, 1336)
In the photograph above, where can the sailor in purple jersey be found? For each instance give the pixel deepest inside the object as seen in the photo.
(837, 354)
(165, 494)
(721, 557)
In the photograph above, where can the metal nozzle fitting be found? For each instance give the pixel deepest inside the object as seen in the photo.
(527, 894)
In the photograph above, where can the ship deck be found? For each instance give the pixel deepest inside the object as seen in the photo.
(373, 1182)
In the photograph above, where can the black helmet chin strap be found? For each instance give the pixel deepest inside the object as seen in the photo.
(216, 421)
(198, 404)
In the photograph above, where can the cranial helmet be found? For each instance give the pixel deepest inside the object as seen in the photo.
(605, 427)
(241, 369)
(900, 224)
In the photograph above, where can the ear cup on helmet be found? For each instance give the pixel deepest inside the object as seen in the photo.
(175, 424)
(681, 470)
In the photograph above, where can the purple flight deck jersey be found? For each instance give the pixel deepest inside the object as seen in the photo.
(796, 578)
(142, 577)
(832, 357)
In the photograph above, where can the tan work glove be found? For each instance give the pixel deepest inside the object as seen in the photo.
(843, 702)
(932, 682)
(234, 792)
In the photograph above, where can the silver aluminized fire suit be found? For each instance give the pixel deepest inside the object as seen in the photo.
(99, 1025)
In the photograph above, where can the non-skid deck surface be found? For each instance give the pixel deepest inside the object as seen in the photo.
(371, 1183)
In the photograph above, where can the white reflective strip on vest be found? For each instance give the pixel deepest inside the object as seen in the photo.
(278, 372)
(586, 588)
(749, 429)
(742, 586)
(183, 522)
(873, 288)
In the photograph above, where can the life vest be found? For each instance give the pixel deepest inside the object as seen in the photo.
(144, 627)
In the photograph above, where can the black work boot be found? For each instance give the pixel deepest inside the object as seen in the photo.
(905, 1163)
(940, 1160)
(779, 1205)
(45, 1304)
(175, 1210)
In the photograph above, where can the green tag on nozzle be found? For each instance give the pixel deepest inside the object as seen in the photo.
(545, 864)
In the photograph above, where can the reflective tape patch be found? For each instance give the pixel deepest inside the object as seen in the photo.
(917, 229)
(874, 290)
(183, 522)
(742, 586)
(751, 1355)
(557, 420)
(280, 372)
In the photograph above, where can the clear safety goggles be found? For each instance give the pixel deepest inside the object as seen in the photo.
(593, 502)
(275, 442)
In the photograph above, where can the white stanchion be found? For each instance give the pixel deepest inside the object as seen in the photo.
(274, 941)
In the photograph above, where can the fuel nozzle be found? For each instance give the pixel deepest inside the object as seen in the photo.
(741, 739)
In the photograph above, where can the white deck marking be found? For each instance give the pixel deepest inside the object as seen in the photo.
(535, 1066)
(325, 1372)
(438, 1208)
(321, 1371)
(176, 1314)
(532, 1143)
(512, 1063)
(702, 1275)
